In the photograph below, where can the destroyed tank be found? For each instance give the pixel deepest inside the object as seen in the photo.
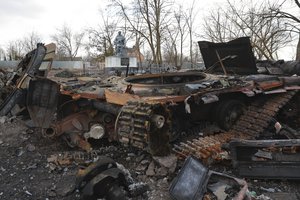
(157, 111)
(160, 108)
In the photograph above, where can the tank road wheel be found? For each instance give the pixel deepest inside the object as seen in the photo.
(228, 112)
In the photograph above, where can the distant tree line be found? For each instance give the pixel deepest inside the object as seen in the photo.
(165, 31)
(16, 49)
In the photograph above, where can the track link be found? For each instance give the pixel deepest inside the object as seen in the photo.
(137, 126)
(252, 123)
(133, 123)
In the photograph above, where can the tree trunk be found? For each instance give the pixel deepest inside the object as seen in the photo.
(191, 48)
(298, 50)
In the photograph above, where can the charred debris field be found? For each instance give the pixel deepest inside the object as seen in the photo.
(228, 132)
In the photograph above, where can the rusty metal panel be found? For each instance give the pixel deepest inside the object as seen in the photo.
(119, 98)
(42, 98)
(268, 85)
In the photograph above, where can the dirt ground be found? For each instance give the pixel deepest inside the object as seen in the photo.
(25, 172)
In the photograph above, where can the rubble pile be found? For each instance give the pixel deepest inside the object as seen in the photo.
(179, 135)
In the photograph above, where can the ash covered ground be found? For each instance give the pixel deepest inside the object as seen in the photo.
(26, 173)
(26, 170)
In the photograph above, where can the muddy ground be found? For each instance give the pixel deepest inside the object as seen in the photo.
(26, 173)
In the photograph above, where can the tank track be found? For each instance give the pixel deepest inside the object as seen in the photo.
(135, 127)
(253, 122)
(132, 124)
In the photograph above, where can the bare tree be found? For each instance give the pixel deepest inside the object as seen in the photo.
(267, 35)
(100, 39)
(18, 48)
(30, 41)
(15, 49)
(290, 19)
(2, 54)
(152, 17)
(218, 28)
(181, 26)
(190, 17)
(170, 45)
(68, 42)
(175, 37)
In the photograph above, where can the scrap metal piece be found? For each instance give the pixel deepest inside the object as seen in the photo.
(42, 98)
(106, 184)
(263, 154)
(282, 162)
(75, 140)
(192, 181)
(97, 131)
(236, 55)
(85, 175)
(102, 180)
(10, 101)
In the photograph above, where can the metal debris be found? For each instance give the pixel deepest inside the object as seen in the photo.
(194, 179)
(272, 159)
(27, 69)
(107, 179)
(102, 180)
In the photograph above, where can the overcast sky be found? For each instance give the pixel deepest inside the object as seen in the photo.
(20, 17)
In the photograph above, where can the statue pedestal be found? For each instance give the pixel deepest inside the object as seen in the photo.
(113, 63)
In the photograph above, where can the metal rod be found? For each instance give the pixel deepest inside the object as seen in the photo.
(223, 67)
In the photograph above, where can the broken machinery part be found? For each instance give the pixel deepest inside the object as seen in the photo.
(78, 127)
(272, 159)
(102, 180)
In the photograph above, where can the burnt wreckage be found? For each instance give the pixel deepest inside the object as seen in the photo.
(155, 111)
